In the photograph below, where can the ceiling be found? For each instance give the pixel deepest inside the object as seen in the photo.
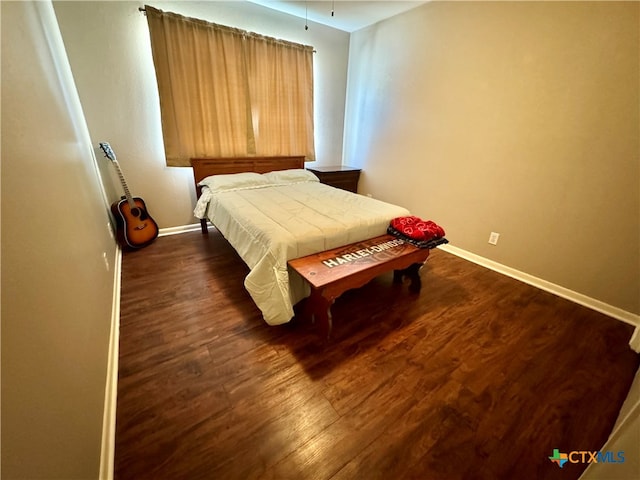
(348, 16)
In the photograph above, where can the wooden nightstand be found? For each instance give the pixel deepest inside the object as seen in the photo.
(339, 176)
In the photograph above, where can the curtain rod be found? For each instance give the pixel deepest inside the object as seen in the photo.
(144, 11)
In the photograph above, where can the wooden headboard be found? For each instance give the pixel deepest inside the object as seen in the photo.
(205, 167)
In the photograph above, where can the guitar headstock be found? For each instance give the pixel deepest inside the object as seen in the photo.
(108, 152)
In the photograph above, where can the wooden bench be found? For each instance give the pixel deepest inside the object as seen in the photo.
(332, 272)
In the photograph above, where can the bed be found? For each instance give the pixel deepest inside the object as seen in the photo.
(271, 210)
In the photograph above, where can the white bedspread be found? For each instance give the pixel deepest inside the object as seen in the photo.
(270, 225)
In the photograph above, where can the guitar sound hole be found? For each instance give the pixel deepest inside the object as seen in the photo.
(135, 212)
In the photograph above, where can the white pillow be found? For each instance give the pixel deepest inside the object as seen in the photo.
(234, 181)
(294, 175)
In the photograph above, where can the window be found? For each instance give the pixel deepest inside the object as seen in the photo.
(226, 92)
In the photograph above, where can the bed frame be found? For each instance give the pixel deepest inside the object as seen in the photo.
(205, 167)
(403, 258)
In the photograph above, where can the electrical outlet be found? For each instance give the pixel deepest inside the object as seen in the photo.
(493, 238)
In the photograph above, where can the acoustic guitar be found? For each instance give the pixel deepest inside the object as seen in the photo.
(134, 226)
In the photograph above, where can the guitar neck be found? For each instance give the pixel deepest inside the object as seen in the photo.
(124, 185)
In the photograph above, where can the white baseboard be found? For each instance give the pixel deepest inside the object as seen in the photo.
(163, 232)
(107, 450)
(579, 298)
(635, 340)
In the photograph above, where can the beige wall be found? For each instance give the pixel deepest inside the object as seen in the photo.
(110, 55)
(515, 117)
(56, 288)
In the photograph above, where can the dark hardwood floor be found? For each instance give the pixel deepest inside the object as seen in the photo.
(478, 377)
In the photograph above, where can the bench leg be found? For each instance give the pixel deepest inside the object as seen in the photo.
(320, 309)
(413, 273)
(325, 322)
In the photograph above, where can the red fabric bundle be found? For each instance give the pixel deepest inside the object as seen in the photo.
(417, 229)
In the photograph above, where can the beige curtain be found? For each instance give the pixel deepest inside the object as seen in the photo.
(225, 92)
(281, 91)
